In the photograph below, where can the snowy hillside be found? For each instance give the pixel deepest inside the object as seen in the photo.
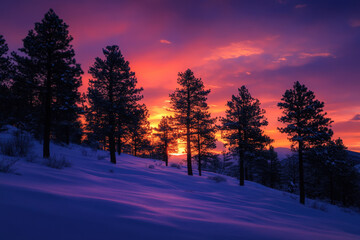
(143, 199)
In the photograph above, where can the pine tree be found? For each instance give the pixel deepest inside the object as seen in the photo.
(227, 166)
(307, 124)
(290, 172)
(5, 76)
(241, 127)
(48, 62)
(274, 168)
(66, 106)
(185, 101)
(112, 93)
(204, 135)
(139, 128)
(26, 102)
(167, 136)
(332, 174)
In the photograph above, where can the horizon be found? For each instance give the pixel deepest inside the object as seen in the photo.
(266, 46)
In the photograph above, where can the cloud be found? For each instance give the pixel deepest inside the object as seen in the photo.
(165, 41)
(235, 50)
(355, 22)
(301, 6)
(356, 117)
(320, 54)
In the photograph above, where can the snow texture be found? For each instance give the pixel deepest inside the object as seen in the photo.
(94, 199)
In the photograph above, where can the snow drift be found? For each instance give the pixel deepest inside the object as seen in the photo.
(142, 199)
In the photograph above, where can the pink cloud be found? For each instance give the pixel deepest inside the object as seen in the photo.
(235, 50)
(319, 54)
(165, 41)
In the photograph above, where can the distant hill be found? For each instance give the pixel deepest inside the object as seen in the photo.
(283, 152)
(355, 156)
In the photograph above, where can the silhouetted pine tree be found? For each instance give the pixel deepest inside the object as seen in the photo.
(290, 173)
(139, 129)
(167, 135)
(204, 136)
(26, 102)
(111, 93)
(185, 102)
(331, 173)
(6, 69)
(67, 106)
(307, 124)
(45, 66)
(227, 166)
(241, 127)
(274, 168)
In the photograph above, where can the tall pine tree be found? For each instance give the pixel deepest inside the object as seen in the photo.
(111, 93)
(241, 127)
(139, 129)
(167, 136)
(307, 124)
(204, 139)
(67, 108)
(48, 60)
(185, 102)
(5, 76)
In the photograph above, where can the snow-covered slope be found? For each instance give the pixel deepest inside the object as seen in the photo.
(143, 199)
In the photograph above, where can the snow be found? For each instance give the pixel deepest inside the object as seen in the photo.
(142, 199)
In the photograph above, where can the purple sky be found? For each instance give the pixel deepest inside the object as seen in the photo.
(265, 45)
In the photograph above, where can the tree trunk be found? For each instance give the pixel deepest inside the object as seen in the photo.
(199, 155)
(331, 189)
(188, 147)
(111, 123)
(47, 115)
(301, 174)
(241, 167)
(112, 148)
(166, 155)
(118, 144)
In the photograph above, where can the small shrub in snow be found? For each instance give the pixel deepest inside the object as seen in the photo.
(18, 145)
(101, 157)
(175, 165)
(319, 206)
(217, 178)
(151, 166)
(57, 162)
(7, 165)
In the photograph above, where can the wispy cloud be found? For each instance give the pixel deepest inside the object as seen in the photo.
(165, 41)
(319, 54)
(235, 50)
(301, 6)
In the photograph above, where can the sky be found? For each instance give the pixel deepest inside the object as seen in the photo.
(265, 45)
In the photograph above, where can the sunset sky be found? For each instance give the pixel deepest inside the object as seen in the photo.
(265, 45)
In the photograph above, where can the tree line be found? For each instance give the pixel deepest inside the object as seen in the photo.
(39, 92)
